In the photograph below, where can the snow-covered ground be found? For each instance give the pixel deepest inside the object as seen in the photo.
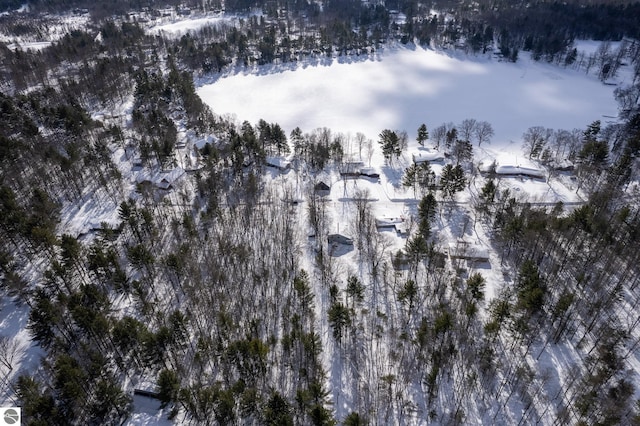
(177, 28)
(400, 89)
(404, 87)
(49, 31)
(17, 352)
(589, 47)
(146, 411)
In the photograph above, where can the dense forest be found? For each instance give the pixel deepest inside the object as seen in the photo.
(220, 295)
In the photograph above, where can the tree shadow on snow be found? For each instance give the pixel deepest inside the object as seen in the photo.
(393, 175)
(319, 60)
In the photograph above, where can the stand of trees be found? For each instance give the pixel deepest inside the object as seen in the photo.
(202, 290)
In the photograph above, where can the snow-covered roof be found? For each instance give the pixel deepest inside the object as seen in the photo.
(367, 171)
(388, 221)
(144, 175)
(339, 239)
(468, 251)
(519, 170)
(200, 143)
(422, 156)
(166, 179)
(278, 162)
(163, 180)
(511, 165)
(401, 228)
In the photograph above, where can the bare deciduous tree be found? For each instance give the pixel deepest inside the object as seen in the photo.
(484, 132)
(439, 134)
(467, 128)
(9, 349)
(361, 140)
(534, 140)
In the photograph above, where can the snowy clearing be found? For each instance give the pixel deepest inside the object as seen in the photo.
(589, 47)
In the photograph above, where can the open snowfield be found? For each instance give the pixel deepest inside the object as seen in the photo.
(404, 87)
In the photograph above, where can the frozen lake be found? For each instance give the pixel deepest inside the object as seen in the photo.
(404, 87)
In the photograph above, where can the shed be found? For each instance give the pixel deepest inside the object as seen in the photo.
(339, 239)
(321, 187)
